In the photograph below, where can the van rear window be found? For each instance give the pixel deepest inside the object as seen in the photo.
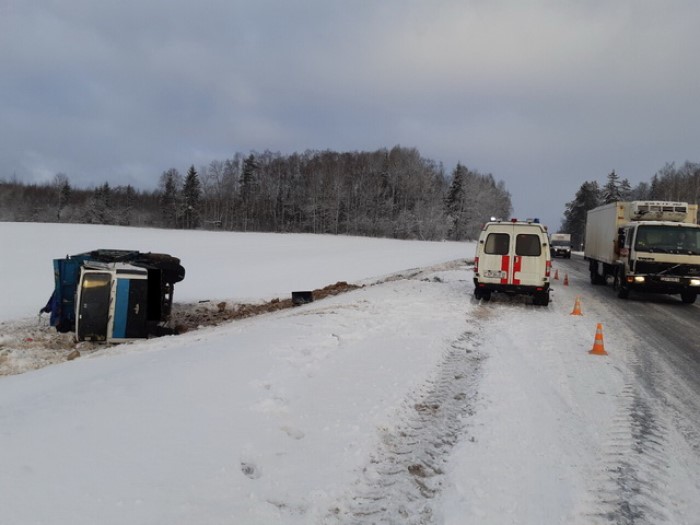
(527, 244)
(497, 244)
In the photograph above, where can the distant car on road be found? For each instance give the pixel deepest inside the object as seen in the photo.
(560, 245)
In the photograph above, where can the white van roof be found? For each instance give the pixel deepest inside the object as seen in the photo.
(515, 222)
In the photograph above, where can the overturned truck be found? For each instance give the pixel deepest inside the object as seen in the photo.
(114, 295)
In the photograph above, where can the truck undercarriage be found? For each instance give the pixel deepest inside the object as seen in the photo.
(648, 277)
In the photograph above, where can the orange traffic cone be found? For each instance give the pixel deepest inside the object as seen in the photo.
(577, 307)
(566, 279)
(556, 274)
(598, 347)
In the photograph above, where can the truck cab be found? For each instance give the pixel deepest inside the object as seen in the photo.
(112, 303)
(114, 296)
(645, 246)
(660, 257)
(513, 258)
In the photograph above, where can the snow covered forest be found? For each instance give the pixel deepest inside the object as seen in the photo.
(393, 193)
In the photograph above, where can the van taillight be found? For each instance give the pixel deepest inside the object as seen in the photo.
(476, 264)
(548, 268)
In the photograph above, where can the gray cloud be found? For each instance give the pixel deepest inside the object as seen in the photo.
(543, 94)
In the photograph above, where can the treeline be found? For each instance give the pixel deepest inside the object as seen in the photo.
(386, 193)
(670, 183)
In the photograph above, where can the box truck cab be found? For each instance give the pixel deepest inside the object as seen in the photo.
(114, 295)
(514, 258)
(112, 303)
(645, 246)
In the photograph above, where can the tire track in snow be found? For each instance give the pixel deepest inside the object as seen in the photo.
(404, 475)
(631, 487)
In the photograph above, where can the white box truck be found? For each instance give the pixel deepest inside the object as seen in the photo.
(645, 246)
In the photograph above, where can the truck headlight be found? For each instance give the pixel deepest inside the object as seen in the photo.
(695, 282)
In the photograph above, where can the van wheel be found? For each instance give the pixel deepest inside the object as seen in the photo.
(480, 293)
(540, 299)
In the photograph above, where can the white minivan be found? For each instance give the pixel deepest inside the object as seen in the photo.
(514, 258)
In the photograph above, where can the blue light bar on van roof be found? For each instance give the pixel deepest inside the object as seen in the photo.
(536, 220)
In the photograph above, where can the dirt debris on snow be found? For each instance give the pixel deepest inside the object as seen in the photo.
(186, 317)
(31, 344)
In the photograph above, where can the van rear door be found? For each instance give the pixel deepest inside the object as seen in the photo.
(495, 260)
(528, 264)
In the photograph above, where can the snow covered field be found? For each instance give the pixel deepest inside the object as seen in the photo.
(404, 401)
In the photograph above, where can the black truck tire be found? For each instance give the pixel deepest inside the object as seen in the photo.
(688, 296)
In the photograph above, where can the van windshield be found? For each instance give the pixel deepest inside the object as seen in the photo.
(528, 244)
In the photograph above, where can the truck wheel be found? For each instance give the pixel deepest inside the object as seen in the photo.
(623, 292)
(620, 284)
(617, 281)
(688, 296)
(596, 279)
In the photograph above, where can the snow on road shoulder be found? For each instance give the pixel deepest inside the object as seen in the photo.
(266, 420)
(221, 267)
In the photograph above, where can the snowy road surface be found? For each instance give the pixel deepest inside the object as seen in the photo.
(667, 347)
(404, 401)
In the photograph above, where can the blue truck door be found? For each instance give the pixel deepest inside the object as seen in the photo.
(93, 308)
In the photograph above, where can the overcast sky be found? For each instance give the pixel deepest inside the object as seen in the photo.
(543, 95)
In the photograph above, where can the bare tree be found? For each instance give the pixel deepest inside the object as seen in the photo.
(62, 188)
